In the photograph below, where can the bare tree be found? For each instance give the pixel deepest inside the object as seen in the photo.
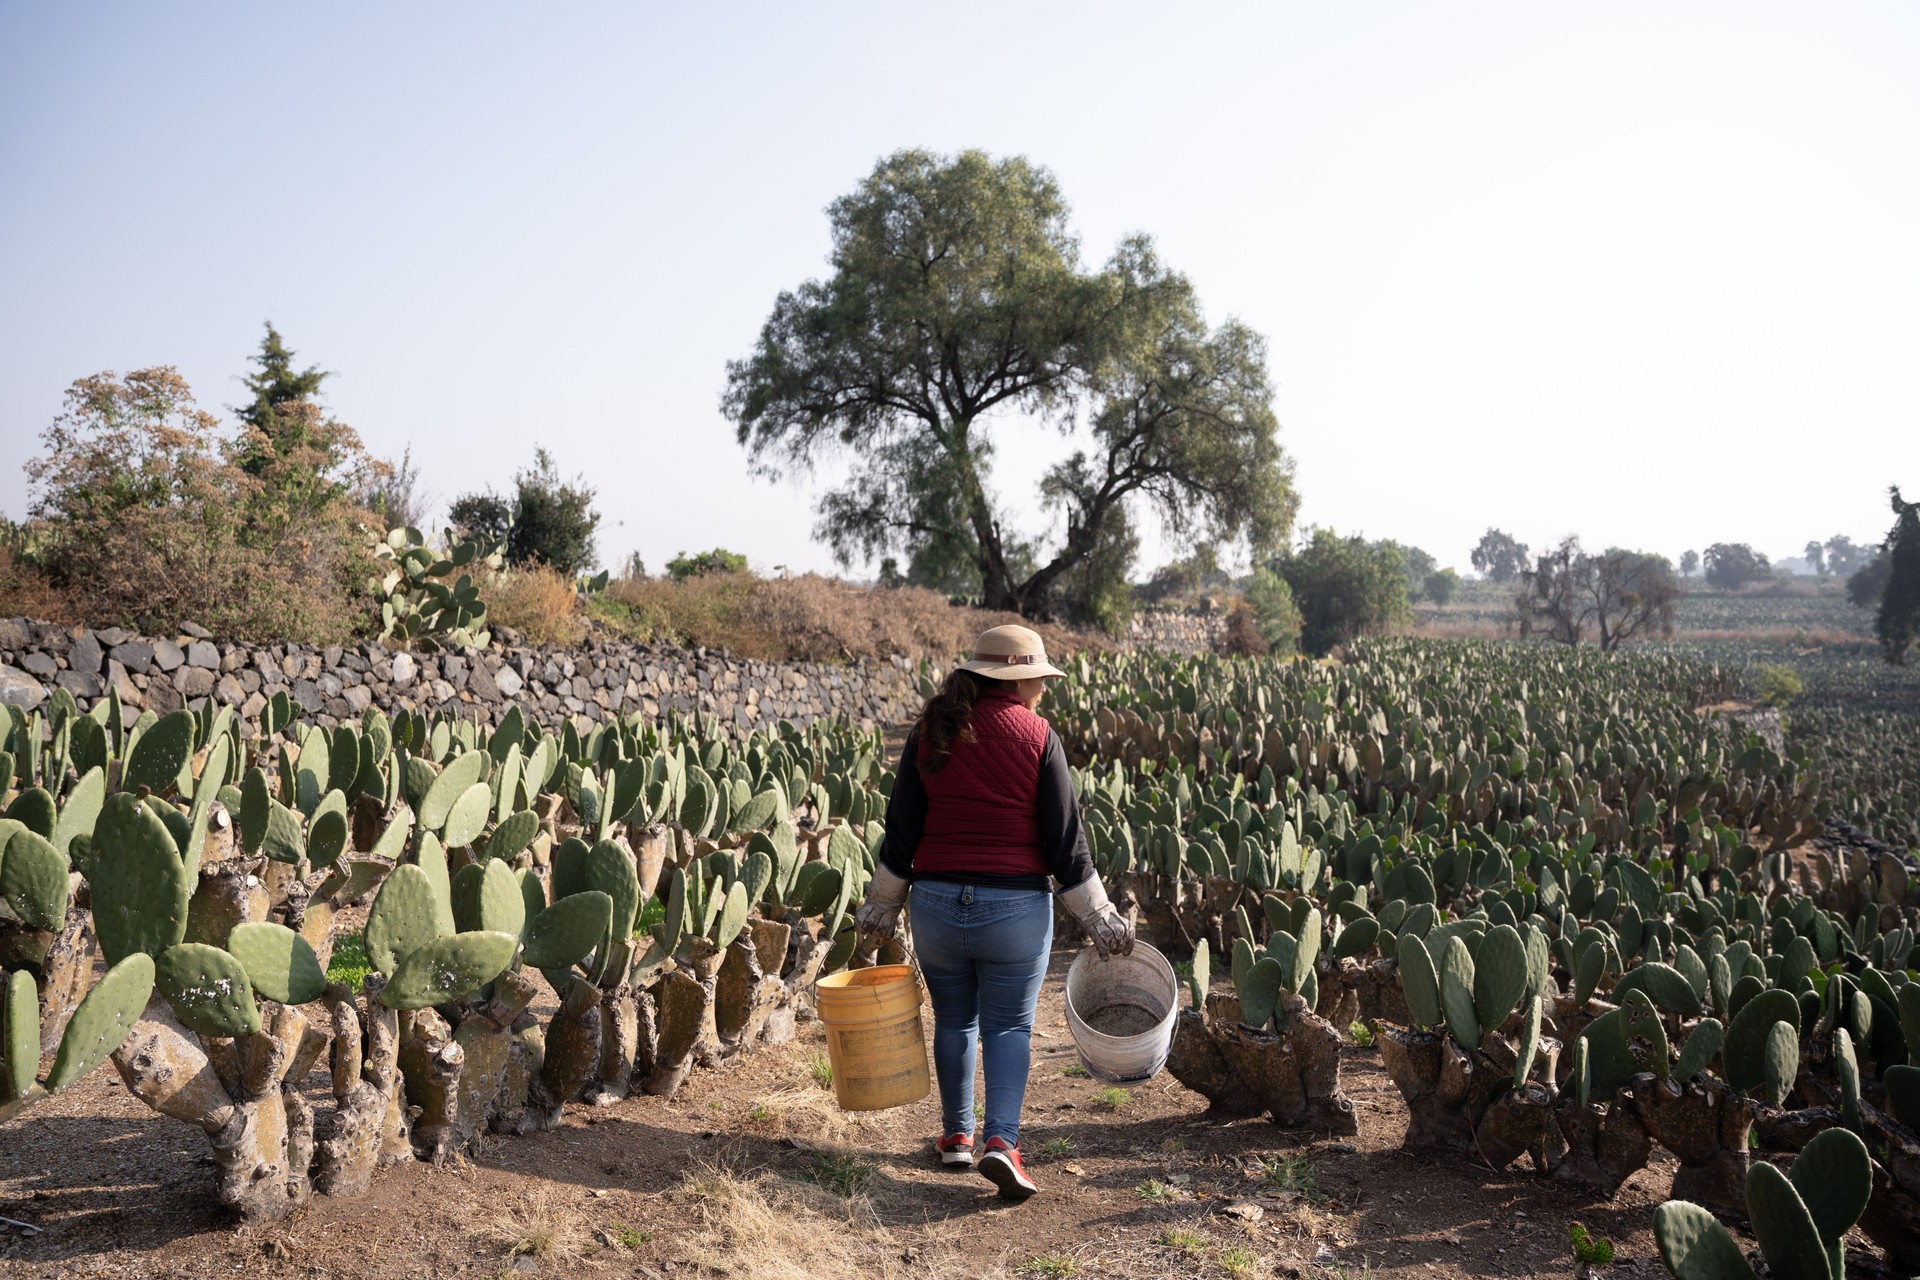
(1617, 595)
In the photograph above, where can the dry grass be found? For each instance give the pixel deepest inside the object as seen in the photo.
(808, 1112)
(540, 1225)
(807, 618)
(538, 602)
(26, 593)
(769, 1228)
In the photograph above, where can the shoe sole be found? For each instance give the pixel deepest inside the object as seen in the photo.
(1001, 1173)
(957, 1159)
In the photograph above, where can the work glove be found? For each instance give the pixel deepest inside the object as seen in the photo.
(879, 913)
(1112, 933)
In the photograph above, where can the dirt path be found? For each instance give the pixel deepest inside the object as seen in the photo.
(726, 1180)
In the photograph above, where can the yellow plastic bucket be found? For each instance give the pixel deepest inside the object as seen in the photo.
(874, 1038)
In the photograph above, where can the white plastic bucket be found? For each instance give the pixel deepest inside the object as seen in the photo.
(1136, 999)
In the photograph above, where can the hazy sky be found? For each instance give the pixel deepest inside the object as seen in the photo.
(1645, 272)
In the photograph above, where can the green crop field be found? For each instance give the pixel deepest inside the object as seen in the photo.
(1579, 911)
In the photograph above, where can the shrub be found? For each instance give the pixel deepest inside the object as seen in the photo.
(146, 518)
(1242, 638)
(537, 601)
(701, 563)
(1271, 600)
(804, 619)
(549, 520)
(1442, 586)
(1778, 685)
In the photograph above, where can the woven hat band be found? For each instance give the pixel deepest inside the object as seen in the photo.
(1012, 659)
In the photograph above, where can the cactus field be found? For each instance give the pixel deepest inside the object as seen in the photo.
(1487, 937)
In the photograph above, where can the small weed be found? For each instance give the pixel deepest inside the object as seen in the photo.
(628, 1238)
(761, 1113)
(843, 1175)
(1339, 1272)
(1153, 1190)
(1237, 1260)
(1048, 1264)
(1077, 1071)
(1590, 1250)
(820, 1067)
(1054, 1148)
(979, 1111)
(1111, 1098)
(1181, 1238)
(1292, 1171)
(349, 963)
(1360, 1034)
(1173, 1146)
(716, 1105)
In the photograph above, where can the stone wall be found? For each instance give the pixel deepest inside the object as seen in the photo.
(1177, 631)
(594, 682)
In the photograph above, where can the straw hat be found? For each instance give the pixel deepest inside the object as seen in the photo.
(1010, 653)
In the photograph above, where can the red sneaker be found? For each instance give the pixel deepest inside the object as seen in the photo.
(955, 1148)
(1002, 1167)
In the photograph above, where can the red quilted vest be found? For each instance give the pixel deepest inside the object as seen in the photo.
(981, 814)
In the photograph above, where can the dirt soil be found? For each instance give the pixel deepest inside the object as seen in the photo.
(753, 1171)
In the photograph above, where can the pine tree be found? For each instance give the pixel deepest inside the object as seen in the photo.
(274, 385)
(1899, 621)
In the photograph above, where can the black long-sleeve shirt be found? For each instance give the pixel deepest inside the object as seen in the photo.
(1063, 840)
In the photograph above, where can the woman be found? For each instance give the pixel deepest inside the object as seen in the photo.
(982, 816)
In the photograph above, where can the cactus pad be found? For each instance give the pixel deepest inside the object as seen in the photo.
(450, 787)
(208, 989)
(20, 1035)
(610, 869)
(1357, 937)
(280, 964)
(33, 880)
(404, 917)
(285, 841)
(326, 839)
(103, 1019)
(1834, 1177)
(564, 933)
(1903, 1094)
(1202, 978)
(1703, 1044)
(514, 833)
(161, 753)
(449, 968)
(486, 895)
(1665, 985)
(1456, 994)
(468, 817)
(733, 916)
(140, 885)
(1789, 1240)
(1419, 981)
(1695, 1246)
(1782, 1063)
(1745, 1051)
(1500, 976)
(1260, 992)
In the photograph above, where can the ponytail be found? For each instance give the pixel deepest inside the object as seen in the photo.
(946, 718)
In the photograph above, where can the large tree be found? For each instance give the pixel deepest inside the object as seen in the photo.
(957, 295)
(1615, 595)
(1732, 565)
(1500, 557)
(1345, 588)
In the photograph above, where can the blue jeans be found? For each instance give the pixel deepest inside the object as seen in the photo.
(983, 953)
